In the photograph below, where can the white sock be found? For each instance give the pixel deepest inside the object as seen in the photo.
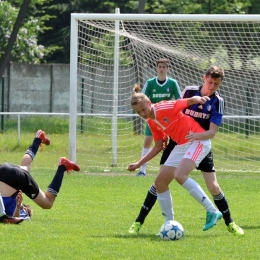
(144, 166)
(165, 201)
(2, 207)
(199, 195)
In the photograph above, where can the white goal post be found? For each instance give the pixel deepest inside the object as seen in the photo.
(112, 52)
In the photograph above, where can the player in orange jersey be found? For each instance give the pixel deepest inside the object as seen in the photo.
(166, 117)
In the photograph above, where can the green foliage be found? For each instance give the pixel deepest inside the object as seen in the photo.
(54, 16)
(104, 46)
(199, 7)
(26, 48)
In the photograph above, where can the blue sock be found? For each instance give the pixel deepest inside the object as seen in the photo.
(55, 185)
(32, 150)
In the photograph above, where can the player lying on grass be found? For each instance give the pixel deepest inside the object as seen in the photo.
(21, 209)
(15, 179)
(209, 116)
(163, 118)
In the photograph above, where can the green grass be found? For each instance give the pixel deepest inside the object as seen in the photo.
(92, 214)
(232, 151)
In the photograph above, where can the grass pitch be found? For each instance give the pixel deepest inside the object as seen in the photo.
(93, 212)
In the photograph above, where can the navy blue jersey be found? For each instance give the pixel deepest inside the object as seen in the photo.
(211, 112)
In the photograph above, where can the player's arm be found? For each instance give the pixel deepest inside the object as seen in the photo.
(19, 199)
(197, 100)
(158, 146)
(181, 104)
(209, 134)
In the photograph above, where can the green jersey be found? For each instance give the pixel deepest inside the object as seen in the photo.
(157, 92)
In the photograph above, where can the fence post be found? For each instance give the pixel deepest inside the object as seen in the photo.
(82, 104)
(248, 110)
(3, 101)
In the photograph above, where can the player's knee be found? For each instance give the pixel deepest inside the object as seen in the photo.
(160, 184)
(162, 181)
(46, 206)
(180, 178)
(214, 188)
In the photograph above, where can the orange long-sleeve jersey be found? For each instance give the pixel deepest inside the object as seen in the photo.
(170, 120)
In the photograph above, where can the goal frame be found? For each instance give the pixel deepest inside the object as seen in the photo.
(117, 17)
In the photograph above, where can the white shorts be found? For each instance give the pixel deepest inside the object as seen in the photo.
(195, 151)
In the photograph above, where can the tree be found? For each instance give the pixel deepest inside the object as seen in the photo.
(60, 33)
(6, 56)
(141, 7)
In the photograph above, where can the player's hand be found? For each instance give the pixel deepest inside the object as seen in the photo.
(204, 99)
(191, 136)
(165, 141)
(198, 100)
(19, 198)
(132, 167)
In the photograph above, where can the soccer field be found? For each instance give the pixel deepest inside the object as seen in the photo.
(93, 212)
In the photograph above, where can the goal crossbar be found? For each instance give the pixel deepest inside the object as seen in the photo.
(166, 17)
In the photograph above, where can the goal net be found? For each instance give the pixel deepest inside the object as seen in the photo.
(112, 52)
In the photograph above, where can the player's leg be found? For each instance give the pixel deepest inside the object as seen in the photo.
(46, 200)
(151, 196)
(221, 202)
(208, 171)
(164, 197)
(165, 176)
(192, 156)
(146, 148)
(148, 204)
(40, 138)
(195, 190)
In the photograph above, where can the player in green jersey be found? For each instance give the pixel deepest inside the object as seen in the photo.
(157, 89)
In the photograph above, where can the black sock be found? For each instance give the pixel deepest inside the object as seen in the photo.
(149, 202)
(32, 150)
(3, 217)
(223, 207)
(55, 185)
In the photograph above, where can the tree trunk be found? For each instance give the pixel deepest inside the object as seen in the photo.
(6, 58)
(141, 6)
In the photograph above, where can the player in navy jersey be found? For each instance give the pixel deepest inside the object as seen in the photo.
(157, 89)
(209, 116)
(16, 179)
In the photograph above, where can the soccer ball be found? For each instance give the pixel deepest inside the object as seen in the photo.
(171, 230)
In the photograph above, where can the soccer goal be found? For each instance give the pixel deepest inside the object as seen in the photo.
(112, 52)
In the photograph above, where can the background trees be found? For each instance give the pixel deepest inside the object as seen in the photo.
(44, 35)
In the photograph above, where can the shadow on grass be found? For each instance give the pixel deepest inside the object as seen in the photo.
(250, 227)
(157, 238)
